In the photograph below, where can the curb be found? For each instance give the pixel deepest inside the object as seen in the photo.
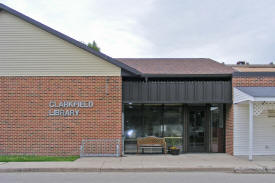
(201, 169)
(229, 170)
(17, 170)
(255, 170)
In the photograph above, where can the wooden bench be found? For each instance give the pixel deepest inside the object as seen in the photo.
(151, 142)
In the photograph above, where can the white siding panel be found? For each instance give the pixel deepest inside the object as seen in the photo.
(239, 96)
(26, 50)
(264, 141)
(264, 132)
(241, 118)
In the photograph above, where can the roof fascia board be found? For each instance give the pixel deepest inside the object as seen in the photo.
(68, 39)
(257, 99)
(186, 75)
(242, 102)
(125, 73)
(253, 74)
(264, 99)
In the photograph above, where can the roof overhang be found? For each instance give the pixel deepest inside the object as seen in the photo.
(254, 94)
(127, 74)
(253, 74)
(186, 75)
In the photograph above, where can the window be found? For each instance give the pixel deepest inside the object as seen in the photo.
(172, 121)
(217, 128)
(133, 121)
(152, 115)
(152, 120)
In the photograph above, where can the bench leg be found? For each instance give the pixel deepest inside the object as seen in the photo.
(163, 150)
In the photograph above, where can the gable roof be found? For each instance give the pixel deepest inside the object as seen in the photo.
(178, 66)
(68, 39)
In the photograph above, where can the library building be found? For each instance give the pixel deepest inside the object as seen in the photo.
(60, 97)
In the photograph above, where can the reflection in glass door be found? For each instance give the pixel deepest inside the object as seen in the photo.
(217, 128)
(197, 131)
(173, 126)
(152, 116)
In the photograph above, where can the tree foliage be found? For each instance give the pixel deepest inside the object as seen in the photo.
(94, 46)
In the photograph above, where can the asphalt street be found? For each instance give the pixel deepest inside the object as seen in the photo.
(167, 177)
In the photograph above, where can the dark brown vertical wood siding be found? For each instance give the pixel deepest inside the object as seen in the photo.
(177, 92)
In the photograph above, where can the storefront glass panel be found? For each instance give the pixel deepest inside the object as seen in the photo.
(152, 120)
(197, 130)
(133, 127)
(204, 130)
(217, 128)
(152, 115)
(173, 125)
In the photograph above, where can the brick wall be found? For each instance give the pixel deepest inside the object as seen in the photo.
(26, 127)
(253, 81)
(229, 129)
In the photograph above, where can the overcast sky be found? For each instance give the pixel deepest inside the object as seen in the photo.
(224, 30)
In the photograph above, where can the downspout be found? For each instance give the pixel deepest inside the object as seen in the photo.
(122, 131)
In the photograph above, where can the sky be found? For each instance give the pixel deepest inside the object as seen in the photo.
(224, 30)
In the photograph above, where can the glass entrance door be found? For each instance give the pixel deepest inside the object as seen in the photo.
(197, 130)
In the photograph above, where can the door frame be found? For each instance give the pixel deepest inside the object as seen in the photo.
(206, 109)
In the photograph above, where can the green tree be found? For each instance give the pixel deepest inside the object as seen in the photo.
(94, 46)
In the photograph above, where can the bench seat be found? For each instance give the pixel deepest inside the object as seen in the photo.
(152, 143)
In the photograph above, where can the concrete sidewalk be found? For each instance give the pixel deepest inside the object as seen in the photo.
(150, 163)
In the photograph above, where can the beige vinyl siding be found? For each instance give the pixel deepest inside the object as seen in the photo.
(26, 50)
(264, 132)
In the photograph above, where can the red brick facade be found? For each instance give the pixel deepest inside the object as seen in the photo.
(253, 81)
(27, 128)
(229, 129)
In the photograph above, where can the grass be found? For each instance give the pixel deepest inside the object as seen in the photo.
(22, 158)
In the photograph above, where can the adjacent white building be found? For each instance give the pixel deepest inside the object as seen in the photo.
(254, 121)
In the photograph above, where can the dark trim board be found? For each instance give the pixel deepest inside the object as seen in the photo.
(125, 73)
(187, 75)
(253, 74)
(171, 76)
(68, 39)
